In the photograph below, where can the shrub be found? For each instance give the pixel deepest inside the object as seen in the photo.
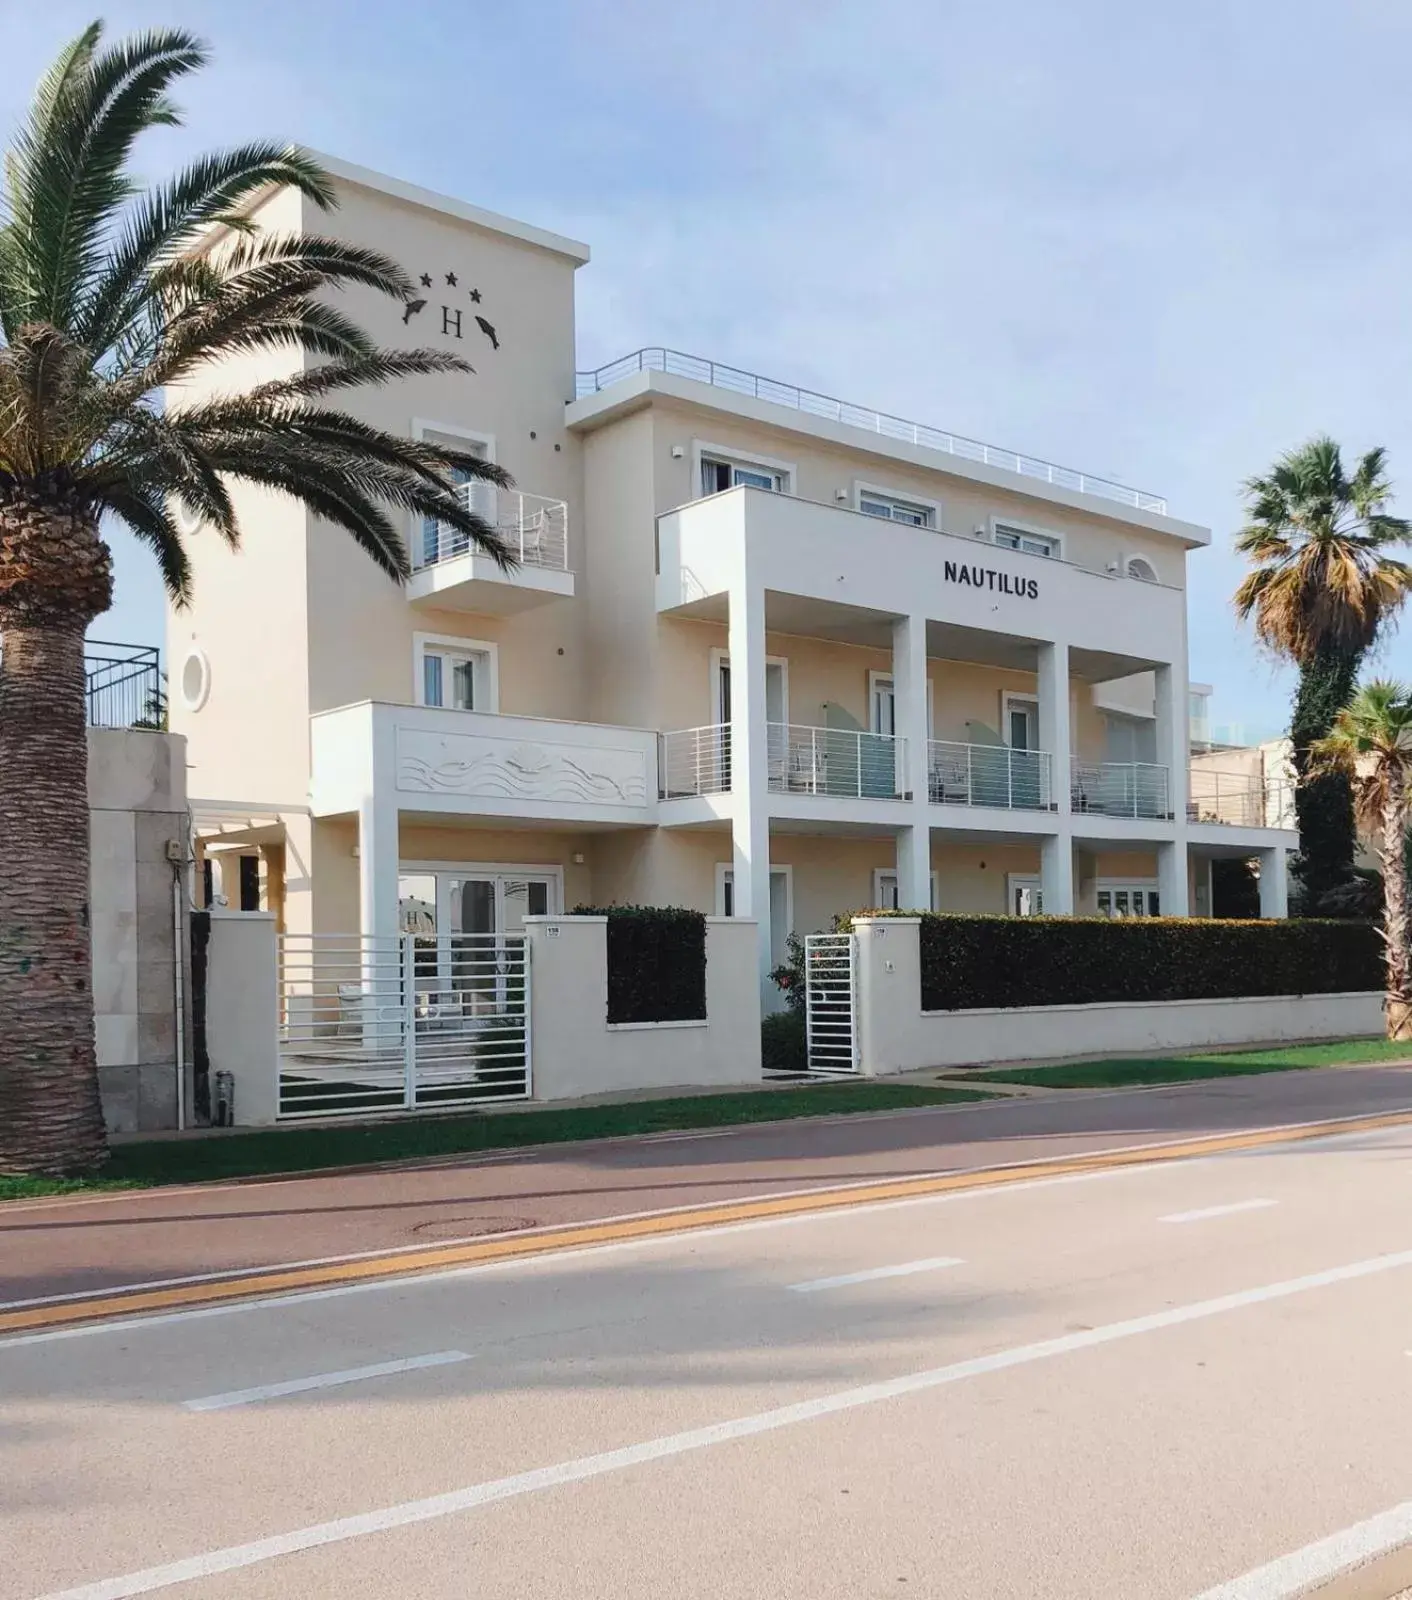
(782, 1043)
(788, 977)
(656, 962)
(1051, 961)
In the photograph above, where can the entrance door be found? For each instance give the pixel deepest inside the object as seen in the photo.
(460, 921)
(781, 907)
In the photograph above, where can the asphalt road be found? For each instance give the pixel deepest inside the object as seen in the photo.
(1153, 1382)
(57, 1247)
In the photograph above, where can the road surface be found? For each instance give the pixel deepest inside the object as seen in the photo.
(1163, 1379)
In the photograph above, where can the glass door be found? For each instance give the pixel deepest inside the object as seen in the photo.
(478, 910)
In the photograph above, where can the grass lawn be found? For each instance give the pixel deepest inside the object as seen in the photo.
(1125, 1073)
(151, 1162)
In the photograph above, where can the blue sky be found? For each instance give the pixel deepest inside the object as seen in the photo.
(1161, 243)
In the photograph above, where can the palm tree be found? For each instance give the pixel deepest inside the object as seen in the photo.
(1371, 748)
(1321, 588)
(108, 296)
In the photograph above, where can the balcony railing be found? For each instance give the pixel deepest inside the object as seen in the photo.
(123, 686)
(818, 405)
(535, 528)
(840, 763)
(988, 775)
(1239, 800)
(1120, 789)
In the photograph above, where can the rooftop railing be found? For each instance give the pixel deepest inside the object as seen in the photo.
(123, 685)
(678, 364)
(1240, 800)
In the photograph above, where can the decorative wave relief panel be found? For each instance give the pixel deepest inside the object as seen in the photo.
(514, 769)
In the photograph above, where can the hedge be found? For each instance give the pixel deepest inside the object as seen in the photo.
(656, 962)
(1051, 961)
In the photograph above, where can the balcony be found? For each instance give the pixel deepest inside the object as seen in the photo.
(1119, 789)
(451, 575)
(1240, 800)
(123, 685)
(989, 775)
(840, 763)
(481, 764)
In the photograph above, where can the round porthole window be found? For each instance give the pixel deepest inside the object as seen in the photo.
(1142, 570)
(195, 680)
(186, 520)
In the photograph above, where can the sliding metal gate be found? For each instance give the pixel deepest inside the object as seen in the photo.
(407, 1024)
(830, 994)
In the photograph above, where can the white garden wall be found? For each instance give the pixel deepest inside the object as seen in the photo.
(576, 1051)
(896, 1035)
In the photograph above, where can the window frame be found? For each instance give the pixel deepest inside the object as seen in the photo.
(1030, 530)
(877, 676)
(703, 450)
(882, 873)
(421, 427)
(486, 679)
(1009, 698)
(1111, 886)
(1015, 881)
(918, 502)
(1137, 577)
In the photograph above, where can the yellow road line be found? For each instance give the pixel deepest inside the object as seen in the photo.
(278, 1280)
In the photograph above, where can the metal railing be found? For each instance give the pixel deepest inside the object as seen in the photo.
(410, 1023)
(534, 527)
(838, 762)
(678, 364)
(988, 775)
(1119, 789)
(123, 685)
(1239, 800)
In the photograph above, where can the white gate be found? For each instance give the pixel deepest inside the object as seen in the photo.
(830, 996)
(404, 1024)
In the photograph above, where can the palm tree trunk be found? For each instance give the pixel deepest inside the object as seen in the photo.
(1395, 926)
(55, 575)
(1323, 803)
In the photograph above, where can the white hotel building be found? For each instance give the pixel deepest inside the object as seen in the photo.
(766, 653)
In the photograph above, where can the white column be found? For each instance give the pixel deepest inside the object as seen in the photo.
(378, 862)
(750, 816)
(1172, 885)
(1056, 875)
(1274, 883)
(1054, 735)
(909, 698)
(1173, 741)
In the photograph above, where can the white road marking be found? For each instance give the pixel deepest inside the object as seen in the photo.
(322, 1380)
(1296, 1573)
(343, 1529)
(1218, 1211)
(903, 1269)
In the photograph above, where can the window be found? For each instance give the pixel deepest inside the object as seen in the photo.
(878, 505)
(1021, 722)
(1014, 537)
(1025, 895)
(886, 893)
(882, 703)
(1141, 569)
(1135, 898)
(434, 540)
(717, 475)
(456, 674)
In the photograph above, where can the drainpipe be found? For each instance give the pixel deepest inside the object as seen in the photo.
(176, 854)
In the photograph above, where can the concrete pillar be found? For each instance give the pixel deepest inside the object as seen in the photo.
(1274, 883)
(1172, 877)
(750, 814)
(1056, 875)
(1173, 744)
(1054, 734)
(909, 694)
(378, 862)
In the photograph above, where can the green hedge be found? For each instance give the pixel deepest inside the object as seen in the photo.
(1052, 961)
(656, 962)
(782, 1042)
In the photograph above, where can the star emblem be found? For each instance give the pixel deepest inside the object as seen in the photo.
(451, 279)
(426, 280)
(475, 296)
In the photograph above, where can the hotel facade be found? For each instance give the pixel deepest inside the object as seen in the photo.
(764, 652)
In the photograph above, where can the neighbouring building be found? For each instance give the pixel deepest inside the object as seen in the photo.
(765, 653)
